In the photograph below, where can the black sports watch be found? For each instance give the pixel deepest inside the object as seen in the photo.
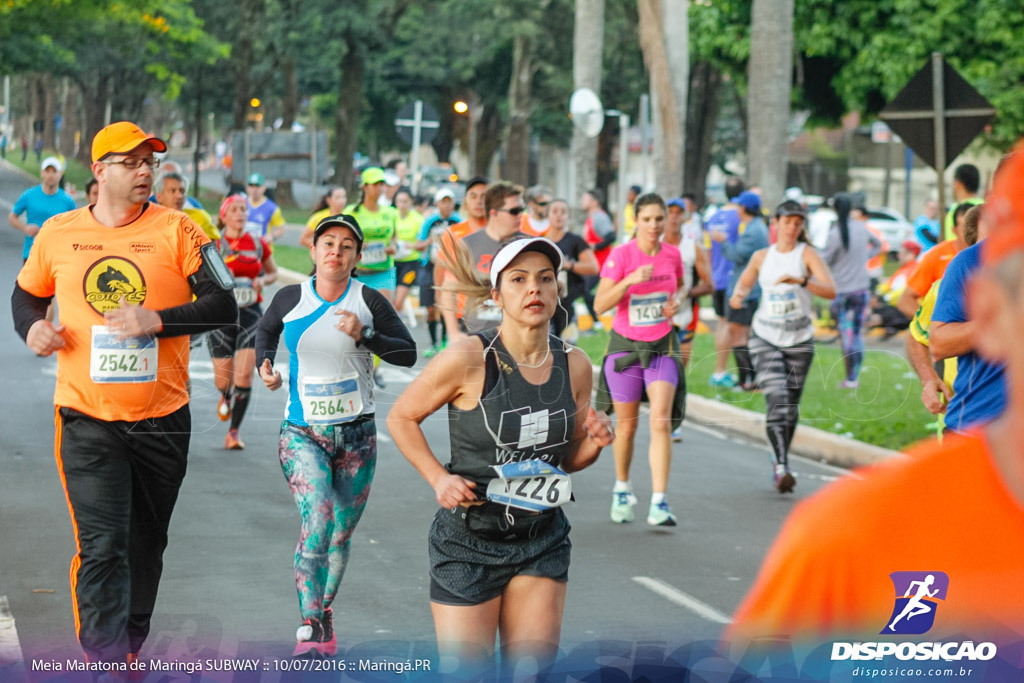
(367, 334)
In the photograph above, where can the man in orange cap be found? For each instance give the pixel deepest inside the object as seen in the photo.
(952, 511)
(132, 279)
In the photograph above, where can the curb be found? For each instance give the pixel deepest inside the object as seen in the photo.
(808, 441)
(290, 277)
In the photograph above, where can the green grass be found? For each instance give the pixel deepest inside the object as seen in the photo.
(885, 411)
(293, 258)
(76, 172)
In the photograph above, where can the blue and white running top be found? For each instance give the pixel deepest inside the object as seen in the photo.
(330, 375)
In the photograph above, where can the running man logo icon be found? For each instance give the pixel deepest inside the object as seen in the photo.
(917, 596)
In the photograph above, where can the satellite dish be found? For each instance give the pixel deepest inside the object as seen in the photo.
(586, 112)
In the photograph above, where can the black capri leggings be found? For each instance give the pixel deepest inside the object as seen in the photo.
(781, 373)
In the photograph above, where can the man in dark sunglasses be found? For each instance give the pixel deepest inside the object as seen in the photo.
(535, 222)
(504, 205)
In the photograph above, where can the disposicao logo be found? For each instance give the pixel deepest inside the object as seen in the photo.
(917, 596)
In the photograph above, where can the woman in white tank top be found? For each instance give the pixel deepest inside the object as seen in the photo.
(782, 343)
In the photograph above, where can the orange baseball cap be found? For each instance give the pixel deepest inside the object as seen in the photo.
(1004, 208)
(121, 138)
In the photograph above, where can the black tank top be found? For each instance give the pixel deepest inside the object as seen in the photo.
(513, 420)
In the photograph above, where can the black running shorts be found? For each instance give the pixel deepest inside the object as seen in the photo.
(466, 569)
(225, 341)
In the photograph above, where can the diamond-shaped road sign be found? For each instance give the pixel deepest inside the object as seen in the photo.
(960, 109)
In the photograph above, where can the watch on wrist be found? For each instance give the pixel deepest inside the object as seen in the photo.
(806, 280)
(367, 334)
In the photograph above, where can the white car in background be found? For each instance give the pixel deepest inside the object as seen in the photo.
(890, 224)
(895, 229)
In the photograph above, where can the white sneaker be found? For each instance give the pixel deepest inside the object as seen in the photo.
(622, 506)
(661, 515)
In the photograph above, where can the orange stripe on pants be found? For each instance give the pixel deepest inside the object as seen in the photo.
(76, 563)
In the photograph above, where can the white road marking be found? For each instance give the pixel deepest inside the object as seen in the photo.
(10, 646)
(682, 599)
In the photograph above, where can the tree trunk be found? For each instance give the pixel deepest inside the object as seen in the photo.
(94, 103)
(702, 114)
(488, 134)
(49, 112)
(445, 139)
(68, 117)
(346, 117)
(290, 108)
(770, 76)
(517, 154)
(241, 55)
(663, 40)
(198, 133)
(37, 96)
(588, 46)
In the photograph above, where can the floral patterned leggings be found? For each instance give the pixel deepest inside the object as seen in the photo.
(848, 310)
(329, 469)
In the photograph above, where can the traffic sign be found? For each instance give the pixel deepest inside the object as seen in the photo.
(938, 113)
(428, 123)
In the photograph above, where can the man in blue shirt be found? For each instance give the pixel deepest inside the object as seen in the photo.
(40, 203)
(753, 237)
(727, 221)
(979, 392)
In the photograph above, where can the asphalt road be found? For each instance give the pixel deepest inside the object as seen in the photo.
(228, 586)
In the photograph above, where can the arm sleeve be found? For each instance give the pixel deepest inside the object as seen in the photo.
(213, 307)
(27, 309)
(744, 248)
(603, 227)
(392, 343)
(276, 218)
(271, 324)
(950, 304)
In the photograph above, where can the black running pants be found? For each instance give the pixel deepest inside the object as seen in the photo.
(121, 481)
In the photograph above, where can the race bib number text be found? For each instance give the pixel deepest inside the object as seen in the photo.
(645, 309)
(132, 360)
(331, 400)
(530, 485)
(374, 254)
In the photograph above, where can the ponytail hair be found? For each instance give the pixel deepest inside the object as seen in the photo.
(469, 282)
(842, 204)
